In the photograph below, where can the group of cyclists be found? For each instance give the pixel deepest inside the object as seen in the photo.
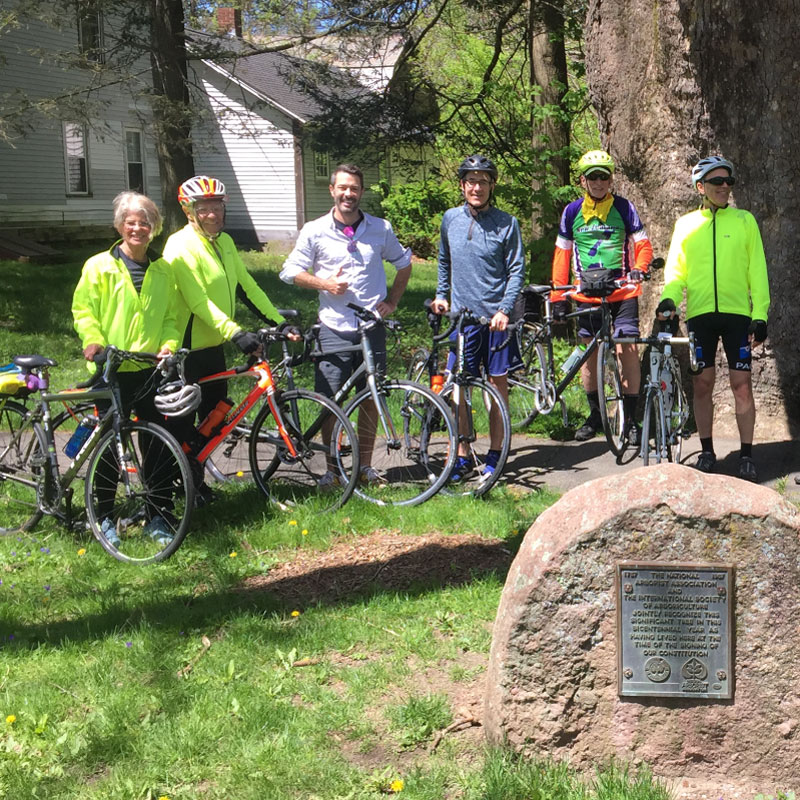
(138, 300)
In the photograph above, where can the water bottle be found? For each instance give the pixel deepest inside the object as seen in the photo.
(573, 358)
(217, 414)
(78, 439)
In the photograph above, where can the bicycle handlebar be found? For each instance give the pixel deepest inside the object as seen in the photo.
(373, 317)
(107, 361)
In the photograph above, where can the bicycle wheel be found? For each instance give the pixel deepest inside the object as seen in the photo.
(139, 493)
(678, 412)
(22, 469)
(231, 460)
(655, 446)
(609, 387)
(418, 366)
(413, 449)
(323, 470)
(528, 391)
(473, 433)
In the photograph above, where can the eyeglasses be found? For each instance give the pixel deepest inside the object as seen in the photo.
(598, 176)
(350, 233)
(720, 179)
(209, 208)
(482, 183)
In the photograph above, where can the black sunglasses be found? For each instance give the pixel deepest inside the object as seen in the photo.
(720, 179)
(598, 176)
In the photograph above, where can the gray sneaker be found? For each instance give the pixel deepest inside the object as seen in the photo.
(158, 530)
(705, 461)
(109, 532)
(589, 429)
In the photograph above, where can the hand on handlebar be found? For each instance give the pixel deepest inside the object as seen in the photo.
(440, 306)
(499, 321)
(91, 350)
(666, 309)
(637, 276)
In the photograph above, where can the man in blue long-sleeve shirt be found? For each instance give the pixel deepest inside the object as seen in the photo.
(482, 268)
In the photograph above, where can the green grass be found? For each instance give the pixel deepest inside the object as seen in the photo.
(225, 673)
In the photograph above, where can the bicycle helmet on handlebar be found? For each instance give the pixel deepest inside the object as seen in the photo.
(477, 163)
(596, 161)
(201, 187)
(706, 165)
(176, 399)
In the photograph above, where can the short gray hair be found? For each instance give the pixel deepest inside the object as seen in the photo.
(126, 202)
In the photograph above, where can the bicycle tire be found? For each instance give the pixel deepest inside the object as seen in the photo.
(528, 394)
(22, 470)
(231, 460)
(477, 482)
(415, 460)
(679, 411)
(653, 429)
(418, 366)
(145, 517)
(321, 475)
(612, 407)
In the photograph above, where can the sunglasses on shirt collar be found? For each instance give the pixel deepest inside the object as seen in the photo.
(720, 179)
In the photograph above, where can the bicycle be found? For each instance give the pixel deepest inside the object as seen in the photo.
(287, 451)
(456, 386)
(666, 409)
(139, 492)
(415, 436)
(538, 374)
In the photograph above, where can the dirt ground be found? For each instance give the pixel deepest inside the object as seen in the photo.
(396, 562)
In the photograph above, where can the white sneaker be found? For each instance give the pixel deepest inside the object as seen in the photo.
(328, 481)
(371, 476)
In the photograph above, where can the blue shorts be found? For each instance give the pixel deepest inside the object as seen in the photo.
(733, 329)
(479, 342)
(624, 313)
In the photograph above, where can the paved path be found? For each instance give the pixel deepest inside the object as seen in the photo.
(536, 462)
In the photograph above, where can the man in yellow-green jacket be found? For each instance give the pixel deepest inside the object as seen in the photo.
(717, 258)
(210, 275)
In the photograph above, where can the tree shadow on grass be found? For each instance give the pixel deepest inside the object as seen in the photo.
(348, 573)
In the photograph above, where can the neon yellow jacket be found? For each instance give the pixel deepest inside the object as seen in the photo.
(207, 276)
(719, 260)
(107, 309)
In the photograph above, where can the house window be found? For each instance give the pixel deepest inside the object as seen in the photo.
(90, 30)
(77, 158)
(322, 167)
(134, 161)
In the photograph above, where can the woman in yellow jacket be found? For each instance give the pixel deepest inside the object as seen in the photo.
(126, 297)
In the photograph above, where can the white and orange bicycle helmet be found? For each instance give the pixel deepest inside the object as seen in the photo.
(201, 187)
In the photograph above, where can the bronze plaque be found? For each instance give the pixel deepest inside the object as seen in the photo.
(675, 630)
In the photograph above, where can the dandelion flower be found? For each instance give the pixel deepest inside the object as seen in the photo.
(10, 719)
(240, 474)
(305, 531)
(396, 785)
(293, 522)
(232, 554)
(295, 613)
(163, 797)
(82, 551)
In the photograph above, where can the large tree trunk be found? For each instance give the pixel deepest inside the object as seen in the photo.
(172, 111)
(676, 80)
(550, 131)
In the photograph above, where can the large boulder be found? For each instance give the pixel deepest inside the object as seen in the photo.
(552, 678)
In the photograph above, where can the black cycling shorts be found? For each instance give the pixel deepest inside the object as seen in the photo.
(733, 329)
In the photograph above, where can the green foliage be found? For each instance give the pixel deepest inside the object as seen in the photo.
(420, 717)
(415, 210)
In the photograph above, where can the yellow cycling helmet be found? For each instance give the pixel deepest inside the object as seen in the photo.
(596, 160)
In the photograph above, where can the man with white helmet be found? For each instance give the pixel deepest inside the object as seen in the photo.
(602, 231)
(716, 257)
(210, 275)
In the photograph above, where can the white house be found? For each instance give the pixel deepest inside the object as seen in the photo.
(62, 173)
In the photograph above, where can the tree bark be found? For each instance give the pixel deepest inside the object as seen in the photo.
(548, 61)
(674, 81)
(172, 125)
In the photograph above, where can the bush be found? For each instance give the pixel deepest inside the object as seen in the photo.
(415, 211)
